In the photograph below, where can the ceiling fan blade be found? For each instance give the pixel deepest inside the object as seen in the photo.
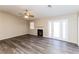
(19, 14)
(31, 15)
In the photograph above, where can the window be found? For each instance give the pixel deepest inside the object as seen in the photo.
(58, 29)
(64, 29)
(31, 25)
(50, 28)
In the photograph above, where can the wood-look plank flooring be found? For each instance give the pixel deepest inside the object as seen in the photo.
(28, 44)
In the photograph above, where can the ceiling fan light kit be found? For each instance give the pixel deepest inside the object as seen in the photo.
(26, 16)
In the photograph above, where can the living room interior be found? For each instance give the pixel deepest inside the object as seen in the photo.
(39, 29)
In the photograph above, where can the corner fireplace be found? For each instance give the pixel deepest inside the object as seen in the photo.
(40, 32)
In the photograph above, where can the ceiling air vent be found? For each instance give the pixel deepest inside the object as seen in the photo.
(49, 6)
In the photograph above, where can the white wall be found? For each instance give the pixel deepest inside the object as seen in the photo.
(73, 29)
(78, 28)
(11, 26)
(72, 26)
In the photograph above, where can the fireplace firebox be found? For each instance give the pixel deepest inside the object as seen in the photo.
(40, 32)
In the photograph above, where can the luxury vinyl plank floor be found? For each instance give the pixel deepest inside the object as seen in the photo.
(28, 44)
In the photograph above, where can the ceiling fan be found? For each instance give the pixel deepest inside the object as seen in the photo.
(26, 14)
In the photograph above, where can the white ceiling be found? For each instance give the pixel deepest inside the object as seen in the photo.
(41, 11)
